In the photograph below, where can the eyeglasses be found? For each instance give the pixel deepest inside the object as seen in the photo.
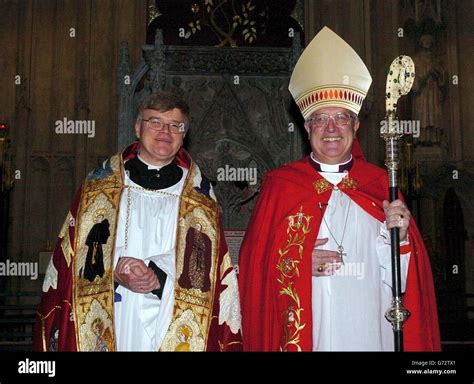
(341, 120)
(157, 124)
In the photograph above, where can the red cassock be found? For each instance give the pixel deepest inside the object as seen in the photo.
(275, 259)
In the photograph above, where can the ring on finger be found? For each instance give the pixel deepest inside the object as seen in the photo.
(400, 221)
(321, 267)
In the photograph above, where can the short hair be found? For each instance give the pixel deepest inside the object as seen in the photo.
(163, 101)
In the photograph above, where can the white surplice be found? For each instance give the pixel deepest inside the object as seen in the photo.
(142, 320)
(348, 308)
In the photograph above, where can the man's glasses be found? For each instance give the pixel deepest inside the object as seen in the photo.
(157, 124)
(321, 120)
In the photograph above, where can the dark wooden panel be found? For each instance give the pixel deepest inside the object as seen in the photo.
(102, 99)
(8, 59)
(139, 33)
(64, 76)
(20, 133)
(62, 173)
(37, 208)
(42, 76)
(83, 84)
(462, 33)
(65, 91)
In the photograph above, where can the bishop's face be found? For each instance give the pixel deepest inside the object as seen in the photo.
(159, 147)
(331, 144)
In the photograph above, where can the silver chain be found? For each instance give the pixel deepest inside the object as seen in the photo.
(339, 246)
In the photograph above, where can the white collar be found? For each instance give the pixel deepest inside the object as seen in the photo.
(151, 166)
(329, 167)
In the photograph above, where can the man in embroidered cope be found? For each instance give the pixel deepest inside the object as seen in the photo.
(315, 264)
(141, 263)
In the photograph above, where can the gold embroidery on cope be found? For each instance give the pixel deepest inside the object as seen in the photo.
(289, 258)
(196, 262)
(93, 299)
(110, 187)
(97, 329)
(349, 183)
(66, 247)
(43, 332)
(322, 185)
(184, 334)
(198, 239)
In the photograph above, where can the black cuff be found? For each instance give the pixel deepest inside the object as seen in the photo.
(161, 275)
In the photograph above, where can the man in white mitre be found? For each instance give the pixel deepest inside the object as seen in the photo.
(315, 265)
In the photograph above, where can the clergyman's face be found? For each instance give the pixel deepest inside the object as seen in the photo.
(332, 144)
(159, 147)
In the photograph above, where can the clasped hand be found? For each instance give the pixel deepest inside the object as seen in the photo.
(133, 274)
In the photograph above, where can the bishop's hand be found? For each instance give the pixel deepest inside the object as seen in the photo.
(133, 274)
(325, 263)
(397, 215)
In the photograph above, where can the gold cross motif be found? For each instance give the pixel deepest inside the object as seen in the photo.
(322, 185)
(349, 183)
(300, 218)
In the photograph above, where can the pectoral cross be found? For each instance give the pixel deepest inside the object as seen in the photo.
(340, 250)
